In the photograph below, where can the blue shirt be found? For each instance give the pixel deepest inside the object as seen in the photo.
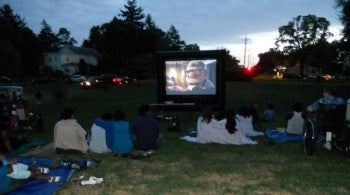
(327, 101)
(146, 131)
(4, 180)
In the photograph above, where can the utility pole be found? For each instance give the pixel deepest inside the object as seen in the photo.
(245, 48)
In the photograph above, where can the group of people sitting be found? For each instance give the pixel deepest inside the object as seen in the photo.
(110, 133)
(224, 126)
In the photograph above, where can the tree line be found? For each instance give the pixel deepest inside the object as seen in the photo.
(303, 42)
(128, 44)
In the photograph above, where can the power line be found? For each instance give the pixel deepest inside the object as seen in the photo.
(245, 48)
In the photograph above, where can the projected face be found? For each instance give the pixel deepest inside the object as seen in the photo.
(195, 72)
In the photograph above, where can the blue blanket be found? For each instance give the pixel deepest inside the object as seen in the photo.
(282, 136)
(42, 187)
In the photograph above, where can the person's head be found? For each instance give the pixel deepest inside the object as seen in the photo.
(329, 91)
(244, 111)
(207, 114)
(107, 116)
(195, 72)
(119, 115)
(298, 107)
(144, 109)
(269, 106)
(230, 115)
(67, 114)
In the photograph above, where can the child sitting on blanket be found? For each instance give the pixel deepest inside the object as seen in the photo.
(17, 170)
(295, 120)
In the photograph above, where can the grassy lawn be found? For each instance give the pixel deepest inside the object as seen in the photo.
(181, 167)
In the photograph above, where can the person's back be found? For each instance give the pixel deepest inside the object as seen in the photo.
(122, 142)
(146, 130)
(98, 141)
(295, 120)
(69, 136)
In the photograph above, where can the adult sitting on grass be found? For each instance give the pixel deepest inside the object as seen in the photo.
(69, 135)
(100, 131)
(123, 142)
(295, 120)
(245, 122)
(146, 130)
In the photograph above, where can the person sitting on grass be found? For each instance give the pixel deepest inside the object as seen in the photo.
(69, 135)
(15, 170)
(123, 142)
(101, 134)
(146, 130)
(220, 127)
(295, 119)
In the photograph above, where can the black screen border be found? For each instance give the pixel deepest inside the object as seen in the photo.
(217, 99)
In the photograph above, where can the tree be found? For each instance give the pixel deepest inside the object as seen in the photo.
(64, 38)
(20, 51)
(174, 40)
(133, 15)
(193, 47)
(345, 17)
(49, 40)
(302, 32)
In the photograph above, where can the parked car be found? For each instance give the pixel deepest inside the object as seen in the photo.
(111, 79)
(130, 80)
(43, 80)
(91, 82)
(77, 78)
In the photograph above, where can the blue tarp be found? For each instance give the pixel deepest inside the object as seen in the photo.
(42, 187)
(282, 136)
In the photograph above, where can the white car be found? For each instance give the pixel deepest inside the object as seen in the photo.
(77, 78)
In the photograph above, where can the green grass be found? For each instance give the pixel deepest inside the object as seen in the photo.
(180, 167)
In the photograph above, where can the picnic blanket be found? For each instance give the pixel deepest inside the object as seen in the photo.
(283, 136)
(32, 186)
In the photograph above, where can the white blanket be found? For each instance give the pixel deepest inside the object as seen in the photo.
(216, 132)
(245, 124)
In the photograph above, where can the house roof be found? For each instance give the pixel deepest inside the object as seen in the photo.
(83, 50)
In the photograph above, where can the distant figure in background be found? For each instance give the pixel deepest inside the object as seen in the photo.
(146, 130)
(295, 120)
(269, 113)
(69, 135)
(5, 144)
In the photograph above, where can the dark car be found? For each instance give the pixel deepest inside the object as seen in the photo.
(43, 80)
(91, 82)
(130, 80)
(111, 79)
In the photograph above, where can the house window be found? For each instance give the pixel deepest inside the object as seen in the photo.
(67, 59)
(49, 59)
(55, 58)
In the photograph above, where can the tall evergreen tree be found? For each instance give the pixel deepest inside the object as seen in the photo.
(133, 15)
(174, 39)
(50, 41)
(64, 37)
(19, 47)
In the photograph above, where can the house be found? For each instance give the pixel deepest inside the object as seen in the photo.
(68, 58)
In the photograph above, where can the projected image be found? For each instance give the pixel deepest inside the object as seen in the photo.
(191, 77)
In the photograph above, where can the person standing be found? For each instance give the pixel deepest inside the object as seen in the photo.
(146, 130)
